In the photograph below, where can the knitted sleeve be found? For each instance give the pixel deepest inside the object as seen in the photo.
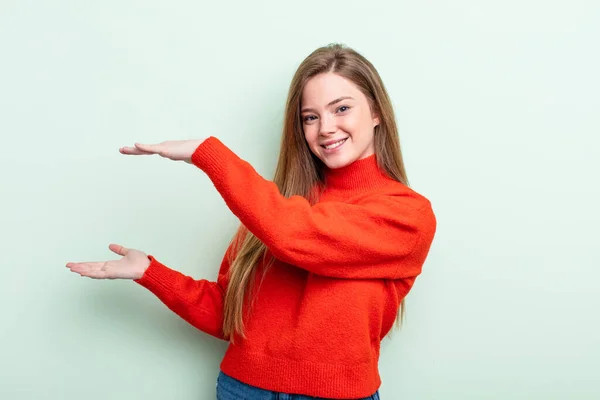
(197, 301)
(385, 236)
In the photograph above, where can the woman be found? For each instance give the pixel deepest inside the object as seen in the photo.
(336, 240)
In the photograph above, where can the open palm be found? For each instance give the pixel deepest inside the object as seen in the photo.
(132, 265)
(176, 150)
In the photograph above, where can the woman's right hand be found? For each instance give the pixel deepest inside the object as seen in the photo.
(132, 265)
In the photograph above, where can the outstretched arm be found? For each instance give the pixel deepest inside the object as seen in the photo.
(385, 236)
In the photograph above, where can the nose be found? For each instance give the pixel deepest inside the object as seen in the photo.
(327, 125)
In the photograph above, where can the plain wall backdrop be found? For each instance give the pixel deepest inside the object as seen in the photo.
(497, 105)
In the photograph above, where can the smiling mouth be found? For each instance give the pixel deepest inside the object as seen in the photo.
(334, 145)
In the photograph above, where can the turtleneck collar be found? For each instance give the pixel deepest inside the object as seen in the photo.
(359, 175)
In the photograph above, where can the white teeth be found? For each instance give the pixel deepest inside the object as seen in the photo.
(336, 144)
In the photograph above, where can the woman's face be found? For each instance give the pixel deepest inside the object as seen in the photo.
(334, 109)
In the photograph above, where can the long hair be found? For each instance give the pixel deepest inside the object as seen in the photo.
(299, 171)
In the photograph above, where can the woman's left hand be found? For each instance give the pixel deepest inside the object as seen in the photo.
(176, 150)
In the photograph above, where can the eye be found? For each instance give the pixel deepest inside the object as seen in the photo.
(308, 118)
(343, 108)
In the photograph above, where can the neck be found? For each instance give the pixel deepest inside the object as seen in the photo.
(359, 175)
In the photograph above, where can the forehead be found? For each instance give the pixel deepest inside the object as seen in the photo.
(323, 88)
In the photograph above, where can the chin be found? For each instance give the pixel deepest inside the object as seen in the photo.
(336, 164)
(337, 161)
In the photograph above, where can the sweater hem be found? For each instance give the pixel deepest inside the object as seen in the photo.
(318, 379)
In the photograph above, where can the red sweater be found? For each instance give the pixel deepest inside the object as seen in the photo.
(342, 268)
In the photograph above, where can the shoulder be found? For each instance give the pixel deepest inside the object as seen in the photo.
(408, 206)
(400, 193)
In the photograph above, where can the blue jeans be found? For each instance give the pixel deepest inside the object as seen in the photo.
(229, 388)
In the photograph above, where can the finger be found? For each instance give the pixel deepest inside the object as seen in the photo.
(91, 269)
(134, 151)
(97, 274)
(120, 250)
(87, 265)
(149, 148)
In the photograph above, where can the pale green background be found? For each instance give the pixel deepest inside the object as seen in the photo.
(497, 104)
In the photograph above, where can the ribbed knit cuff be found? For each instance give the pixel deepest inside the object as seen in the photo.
(157, 277)
(211, 156)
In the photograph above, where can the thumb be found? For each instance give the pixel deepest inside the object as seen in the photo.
(118, 249)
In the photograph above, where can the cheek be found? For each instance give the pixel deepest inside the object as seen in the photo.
(352, 124)
(310, 133)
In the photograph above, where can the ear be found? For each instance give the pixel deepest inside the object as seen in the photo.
(375, 121)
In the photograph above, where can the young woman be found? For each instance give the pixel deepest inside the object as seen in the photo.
(336, 241)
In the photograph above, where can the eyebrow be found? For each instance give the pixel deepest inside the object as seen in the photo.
(330, 103)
